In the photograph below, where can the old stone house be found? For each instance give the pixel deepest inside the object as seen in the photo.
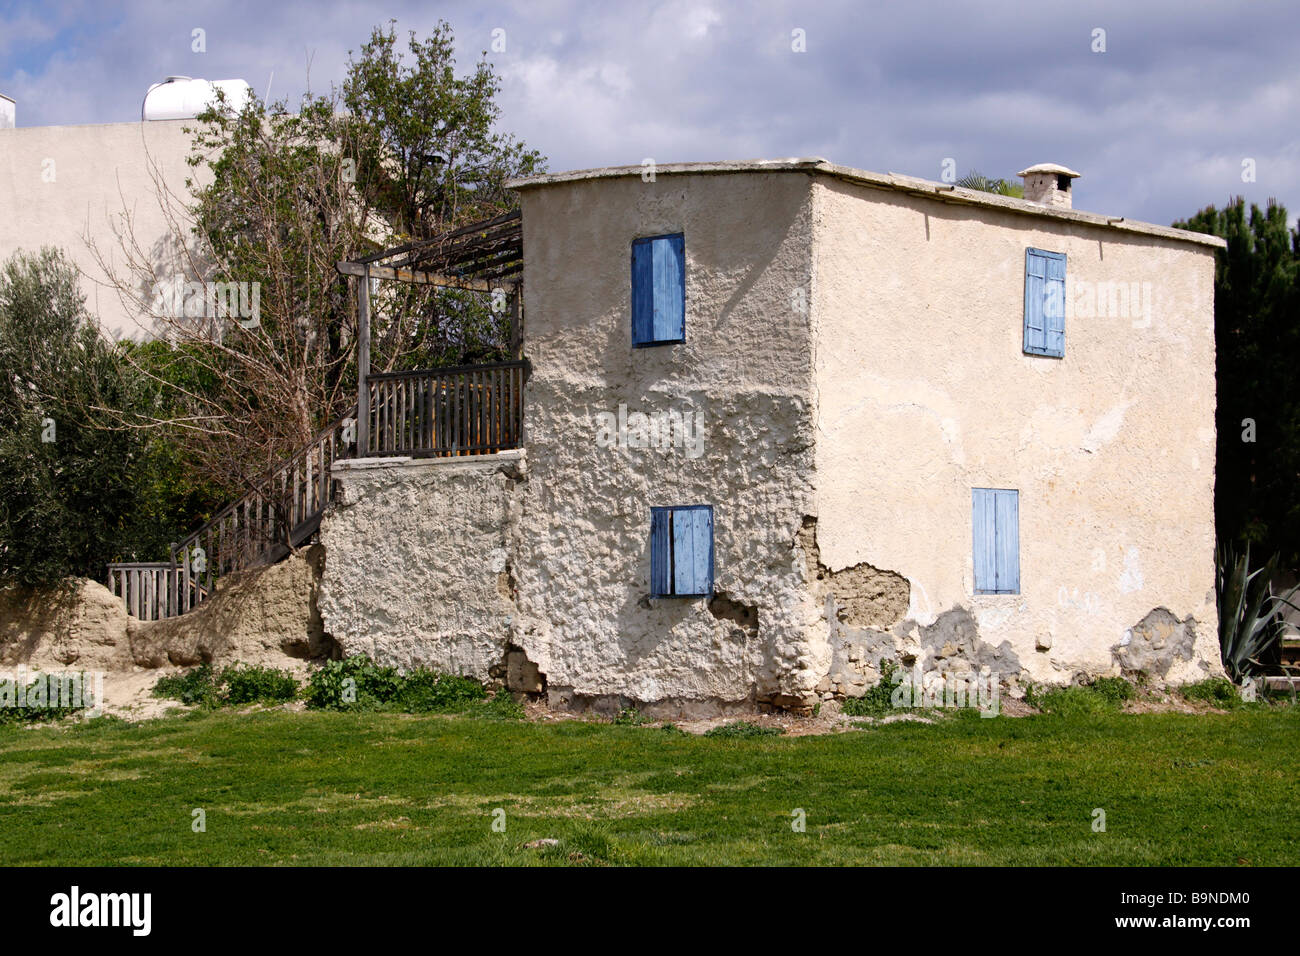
(785, 420)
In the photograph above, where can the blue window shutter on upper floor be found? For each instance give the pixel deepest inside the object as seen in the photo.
(643, 303)
(670, 289)
(658, 290)
(1044, 303)
(995, 532)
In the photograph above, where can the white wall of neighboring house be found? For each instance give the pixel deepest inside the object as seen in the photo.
(66, 186)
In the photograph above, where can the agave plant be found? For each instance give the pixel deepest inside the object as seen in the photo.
(1250, 614)
(1003, 187)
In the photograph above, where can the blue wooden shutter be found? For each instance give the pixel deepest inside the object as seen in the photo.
(1044, 303)
(692, 551)
(670, 289)
(661, 554)
(658, 290)
(1006, 520)
(995, 532)
(681, 551)
(1054, 306)
(643, 301)
(984, 540)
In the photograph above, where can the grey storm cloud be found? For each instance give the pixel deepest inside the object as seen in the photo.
(1159, 124)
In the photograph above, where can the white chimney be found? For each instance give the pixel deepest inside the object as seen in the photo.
(1049, 184)
(6, 112)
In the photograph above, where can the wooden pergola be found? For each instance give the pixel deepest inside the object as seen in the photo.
(482, 257)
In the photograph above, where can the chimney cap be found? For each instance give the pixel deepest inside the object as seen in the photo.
(1053, 169)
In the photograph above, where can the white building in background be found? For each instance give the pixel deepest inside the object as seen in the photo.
(93, 186)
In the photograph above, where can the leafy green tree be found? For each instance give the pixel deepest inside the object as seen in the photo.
(1257, 337)
(65, 481)
(406, 148)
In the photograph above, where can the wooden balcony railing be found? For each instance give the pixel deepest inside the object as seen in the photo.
(467, 410)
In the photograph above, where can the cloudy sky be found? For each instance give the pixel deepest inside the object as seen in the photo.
(1160, 123)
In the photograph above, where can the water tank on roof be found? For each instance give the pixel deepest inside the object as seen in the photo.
(181, 97)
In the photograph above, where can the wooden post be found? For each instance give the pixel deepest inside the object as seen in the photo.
(173, 583)
(363, 364)
(517, 322)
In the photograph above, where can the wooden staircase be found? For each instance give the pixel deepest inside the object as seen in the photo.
(281, 512)
(465, 410)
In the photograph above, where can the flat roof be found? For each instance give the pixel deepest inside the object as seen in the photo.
(940, 192)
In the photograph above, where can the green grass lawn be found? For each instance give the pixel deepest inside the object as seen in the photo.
(339, 788)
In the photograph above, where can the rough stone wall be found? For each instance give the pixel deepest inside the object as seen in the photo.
(584, 562)
(259, 616)
(79, 625)
(924, 393)
(265, 616)
(418, 568)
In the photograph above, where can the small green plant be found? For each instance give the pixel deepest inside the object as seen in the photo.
(500, 706)
(628, 717)
(743, 729)
(247, 684)
(426, 691)
(194, 687)
(1115, 690)
(1215, 691)
(878, 700)
(45, 697)
(237, 684)
(354, 683)
(1104, 695)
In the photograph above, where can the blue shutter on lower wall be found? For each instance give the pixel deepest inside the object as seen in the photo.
(681, 551)
(1044, 303)
(661, 554)
(658, 290)
(984, 540)
(995, 533)
(1006, 521)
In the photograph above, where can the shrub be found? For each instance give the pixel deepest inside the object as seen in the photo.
(358, 683)
(1250, 615)
(197, 686)
(1216, 691)
(236, 684)
(355, 683)
(424, 690)
(245, 684)
(743, 729)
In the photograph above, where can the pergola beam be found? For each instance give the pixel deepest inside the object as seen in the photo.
(416, 277)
